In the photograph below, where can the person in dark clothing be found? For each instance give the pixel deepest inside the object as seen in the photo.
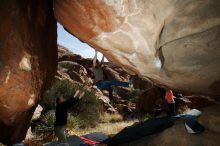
(61, 114)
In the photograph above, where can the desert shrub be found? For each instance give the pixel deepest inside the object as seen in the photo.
(73, 123)
(63, 87)
(65, 64)
(46, 123)
(87, 110)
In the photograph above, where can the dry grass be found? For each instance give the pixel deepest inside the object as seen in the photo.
(109, 124)
(40, 140)
(107, 128)
(106, 118)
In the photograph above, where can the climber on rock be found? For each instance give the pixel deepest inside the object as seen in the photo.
(61, 114)
(99, 77)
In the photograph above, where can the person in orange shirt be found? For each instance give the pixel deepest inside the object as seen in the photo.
(170, 101)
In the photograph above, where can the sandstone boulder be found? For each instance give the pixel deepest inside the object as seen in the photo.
(28, 56)
(198, 101)
(65, 55)
(139, 83)
(172, 42)
(147, 100)
(111, 74)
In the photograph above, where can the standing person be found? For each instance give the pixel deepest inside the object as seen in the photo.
(99, 77)
(170, 101)
(61, 114)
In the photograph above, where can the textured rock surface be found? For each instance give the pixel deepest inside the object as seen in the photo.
(79, 69)
(148, 99)
(65, 54)
(28, 59)
(139, 83)
(173, 42)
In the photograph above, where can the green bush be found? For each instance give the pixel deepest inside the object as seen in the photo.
(87, 110)
(65, 64)
(64, 87)
(47, 123)
(73, 123)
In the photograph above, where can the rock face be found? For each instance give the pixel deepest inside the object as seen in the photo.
(28, 56)
(147, 100)
(172, 42)
(65, 54)
(79, 69)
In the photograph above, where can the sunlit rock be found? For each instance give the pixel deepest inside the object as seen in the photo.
(171, 42)
(28, 58)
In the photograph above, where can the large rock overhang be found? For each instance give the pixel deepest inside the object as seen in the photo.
(173, 42)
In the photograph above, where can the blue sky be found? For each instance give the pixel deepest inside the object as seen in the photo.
(76, 46)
